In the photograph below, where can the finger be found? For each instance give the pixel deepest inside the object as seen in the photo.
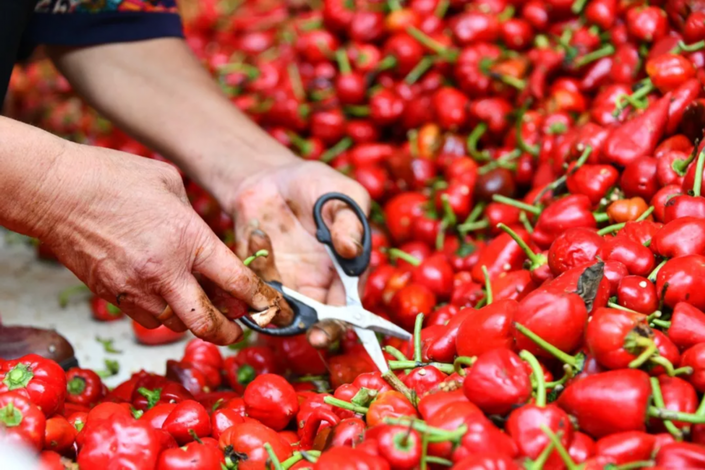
(142, 317)
(265, 267)
(323, 334)
(169, 319)
(224, 268)
(142, 310)
(191, 304)
(346, 232)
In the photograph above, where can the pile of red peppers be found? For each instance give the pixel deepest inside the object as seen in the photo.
(539, 224)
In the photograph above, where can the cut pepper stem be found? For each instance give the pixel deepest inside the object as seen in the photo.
(396, 354)
(665, 363)
(488, 285)
(345, 405)
(576, 362)
(601, 217)
(611, 229)
(661, 323)
(537, 371)
(418, 325)
(644, 356)
(536, 260)
(396, 253)
(625, 100)
(259, 254)
(400, 387)
(518, 204)
(698, 183)
(681, 166)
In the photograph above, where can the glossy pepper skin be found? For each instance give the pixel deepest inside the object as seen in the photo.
(486, 329)
(680, 237)
(571, 211)
(39, 379)
(497, 382)
(682, 280)
(593, 399)
(120, 442)
(389, 404)
(193, 455)
(84, 386)
(272, 400)
(609, 334)
(187, 419)
(687, 326)
(681, 455)
(21, 420)
(248, 363)
(502, 254)
(248, 438)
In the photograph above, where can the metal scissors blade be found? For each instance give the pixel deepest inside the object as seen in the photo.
(371, 344)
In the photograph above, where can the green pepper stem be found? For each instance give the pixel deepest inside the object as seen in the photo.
(357, 110)
(645, 214)
(683, 47)
(418, 325)
(658, 401)
(537, 371)
(541, 460)
(633, 465)
(619, 307)
(273, 459)
(681, 166)
(601, 217)
(438, 461)
(654, 273)
(536, 260)
(259, 254)
(344, 144)
(488, 285)
(518, 204)
(644, 356)
(611, 229)
(565, 456)
(662, 323)
(346, 405)
(400, 387)
(598, 54)
(660, 413)
(698, 183)
(434, 434)
(419, 70)
(578, 6)
(573, 361)
(397, 365)
(441, 8)
(476, 213)
(450, 55)
(622, 102)
(396, 253)
(523, 145)
(297, 85)
(473, 138)
(462, 361)
(396, 354)
(665, 363)
(514, 82)
(472, 226)
(341, 56)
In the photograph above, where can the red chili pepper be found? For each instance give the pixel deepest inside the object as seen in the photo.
(41, 380)
(84, 387)
(193, 455)
(678, 395)
(592, 181)
(680, 455)
(639, 178)
(486, 329)
(681, 98)
(451, 417)
(430, 404)
(221, 420)
(249, 362)
(59, 434)
(195, 380)
(502, 254)
(616, 337)
(637, 293)
(347, 458)
(680, 237)
(314, 424)
(409, 301)
(187, 420)
(570, 211)
(593, 399)
(626, 447)
(682, 280)
(156, 336)
(639, 136)
(152, 389)
(349, 432)
(120, 441)
(497, 382)
(694, 357)
(638, 259)
(158, 414)
(272, 400)
(573, 248)
(423, 379)
(103, 310)
(398, 445)
(391, 404)
(22, 422)
(247, 440)
(513, 285)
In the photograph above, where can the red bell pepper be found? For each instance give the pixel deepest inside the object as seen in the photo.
(39, 379)
(21, 421)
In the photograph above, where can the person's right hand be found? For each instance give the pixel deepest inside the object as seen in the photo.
(124, 226)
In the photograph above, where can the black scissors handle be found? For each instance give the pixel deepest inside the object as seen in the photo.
(304, 317)
(352, 266)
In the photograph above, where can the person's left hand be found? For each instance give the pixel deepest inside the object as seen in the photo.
(279, 203)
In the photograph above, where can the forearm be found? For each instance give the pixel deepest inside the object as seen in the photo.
(158, 92)
(32, 169)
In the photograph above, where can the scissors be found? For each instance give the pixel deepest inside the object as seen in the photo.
(308, 311)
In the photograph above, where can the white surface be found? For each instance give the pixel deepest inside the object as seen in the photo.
(29, 291)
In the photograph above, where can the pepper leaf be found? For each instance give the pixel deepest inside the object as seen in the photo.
(589, 282)
(108, 345)
(111, 368)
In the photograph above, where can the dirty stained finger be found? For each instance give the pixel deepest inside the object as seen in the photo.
(324, 333)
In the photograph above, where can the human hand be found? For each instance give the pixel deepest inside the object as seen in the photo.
(124, 226)
(277, 205)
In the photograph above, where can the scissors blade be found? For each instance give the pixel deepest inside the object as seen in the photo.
(361, 318)
(314, 304)
(371, 344)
